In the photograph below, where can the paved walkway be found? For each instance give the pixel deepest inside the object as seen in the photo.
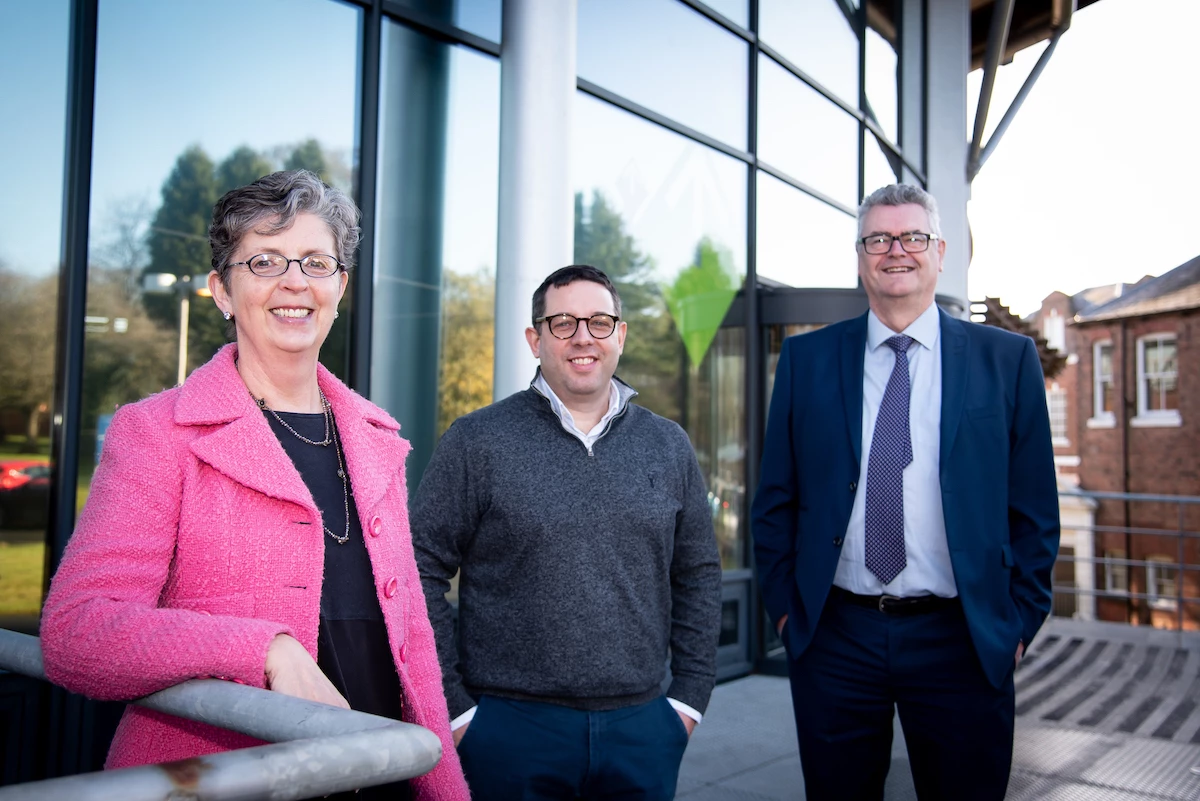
(1105, 712)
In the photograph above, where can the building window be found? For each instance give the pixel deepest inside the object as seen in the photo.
(1054, 329)
(1056, 400)
(1116, 572)
(1160, 582)
(1157, 381)
(1103, 394)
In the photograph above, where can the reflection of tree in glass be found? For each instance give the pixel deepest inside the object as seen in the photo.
(309, 156)
(27, 314)
(241, 167)
(653, 357)
(468, 323)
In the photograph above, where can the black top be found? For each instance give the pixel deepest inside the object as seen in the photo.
(352, 642)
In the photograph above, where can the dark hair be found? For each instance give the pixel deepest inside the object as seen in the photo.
(569, 275)
(270, 205)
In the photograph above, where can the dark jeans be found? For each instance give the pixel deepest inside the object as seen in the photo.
(864, 664)
(524, 750)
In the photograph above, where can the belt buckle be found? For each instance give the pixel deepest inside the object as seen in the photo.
(883, 601)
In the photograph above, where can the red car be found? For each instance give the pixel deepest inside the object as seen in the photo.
(15, 473)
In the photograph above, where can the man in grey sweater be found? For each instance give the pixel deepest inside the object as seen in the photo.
(580, 529)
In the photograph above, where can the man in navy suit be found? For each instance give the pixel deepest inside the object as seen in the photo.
(906, 524)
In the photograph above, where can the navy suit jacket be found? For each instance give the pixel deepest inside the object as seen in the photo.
(998, 488)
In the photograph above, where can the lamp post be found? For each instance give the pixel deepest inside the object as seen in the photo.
(183, 286)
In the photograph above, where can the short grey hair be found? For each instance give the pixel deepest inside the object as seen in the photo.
(270, 205)
(902, 195)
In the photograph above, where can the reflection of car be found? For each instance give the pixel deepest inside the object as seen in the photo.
(26, 502)
(15, 473)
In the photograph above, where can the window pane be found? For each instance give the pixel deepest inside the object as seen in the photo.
(1105, 369)
(666, 218)
(480, 17)
(168, 142)
(818, 38)
(877, 169)
(803, 242)
(697, 75)
(881, 79)
(805, 135)
(33, 59)
(435, 268)
(736, 11)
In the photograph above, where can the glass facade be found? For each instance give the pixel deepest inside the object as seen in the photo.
(709, 159)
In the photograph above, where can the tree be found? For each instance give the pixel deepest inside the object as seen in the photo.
(653, 353)
(241, 167)
(309, 156)
(27, 329)
(701, 295)
(179, 233)
(468, 344)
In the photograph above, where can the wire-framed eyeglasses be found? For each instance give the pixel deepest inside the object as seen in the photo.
(912, 242)
(273, 265)
(564, 326)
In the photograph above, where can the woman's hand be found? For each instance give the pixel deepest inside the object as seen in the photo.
(291, 671)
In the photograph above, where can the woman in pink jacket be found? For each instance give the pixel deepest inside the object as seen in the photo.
(252, 524)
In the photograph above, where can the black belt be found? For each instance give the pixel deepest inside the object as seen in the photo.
(895, 605)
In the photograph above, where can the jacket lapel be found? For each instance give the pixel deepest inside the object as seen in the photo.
(954, 382)
(853, 351)
(241, 444)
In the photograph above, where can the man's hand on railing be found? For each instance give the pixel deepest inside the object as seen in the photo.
(291, 671)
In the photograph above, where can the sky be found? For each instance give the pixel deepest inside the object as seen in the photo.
(1095, 181)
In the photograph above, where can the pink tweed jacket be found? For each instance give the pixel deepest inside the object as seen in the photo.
(200, 542)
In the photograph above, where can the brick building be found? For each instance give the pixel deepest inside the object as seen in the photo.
(1125, 417)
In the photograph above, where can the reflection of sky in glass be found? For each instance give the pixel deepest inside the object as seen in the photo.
(33, 61)
(670, 191)
(803, 242)
(171, 75)
(815, 36)
(805, 135)
(736, 11)
(877, 171)
(480, 17)
(881, 82)
(669, 58)
(472, 162)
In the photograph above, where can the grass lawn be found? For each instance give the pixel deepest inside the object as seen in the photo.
(21, 566)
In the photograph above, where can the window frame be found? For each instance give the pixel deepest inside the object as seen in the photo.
(1162, 568)
(1055, 393)
(1101, 417)
(1147, 417)
(1115, 563)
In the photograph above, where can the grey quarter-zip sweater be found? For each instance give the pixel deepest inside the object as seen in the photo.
(578, 572)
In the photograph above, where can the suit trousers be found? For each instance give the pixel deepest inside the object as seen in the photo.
(526, 750)
(861, 666)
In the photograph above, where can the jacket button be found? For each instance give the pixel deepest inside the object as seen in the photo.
(376, 527)
(403, 652)
(853, 486)
(837, 541)
(389, 589)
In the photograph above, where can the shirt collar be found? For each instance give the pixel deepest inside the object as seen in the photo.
(926, 329)
(564, 414)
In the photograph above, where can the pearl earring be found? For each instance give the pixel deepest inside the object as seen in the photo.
(336, 314)
(228, 316)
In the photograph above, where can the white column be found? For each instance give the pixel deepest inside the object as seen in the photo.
(948, 52)
(536, 216)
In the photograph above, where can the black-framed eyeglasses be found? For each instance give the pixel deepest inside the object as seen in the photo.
(912, 242)
(564, 326)
(273, 265)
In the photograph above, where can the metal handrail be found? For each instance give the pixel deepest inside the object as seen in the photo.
(318, 749)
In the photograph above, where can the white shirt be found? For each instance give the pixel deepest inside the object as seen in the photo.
(588, 440)
(928, 570)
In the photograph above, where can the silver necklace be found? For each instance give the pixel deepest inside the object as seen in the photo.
(330, 436)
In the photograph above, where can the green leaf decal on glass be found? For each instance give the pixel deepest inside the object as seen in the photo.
(700, 296)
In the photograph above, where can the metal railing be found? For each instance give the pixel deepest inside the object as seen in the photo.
(1148, 599)
(317, 749)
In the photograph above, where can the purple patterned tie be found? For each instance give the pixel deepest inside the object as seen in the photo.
(891, 452)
